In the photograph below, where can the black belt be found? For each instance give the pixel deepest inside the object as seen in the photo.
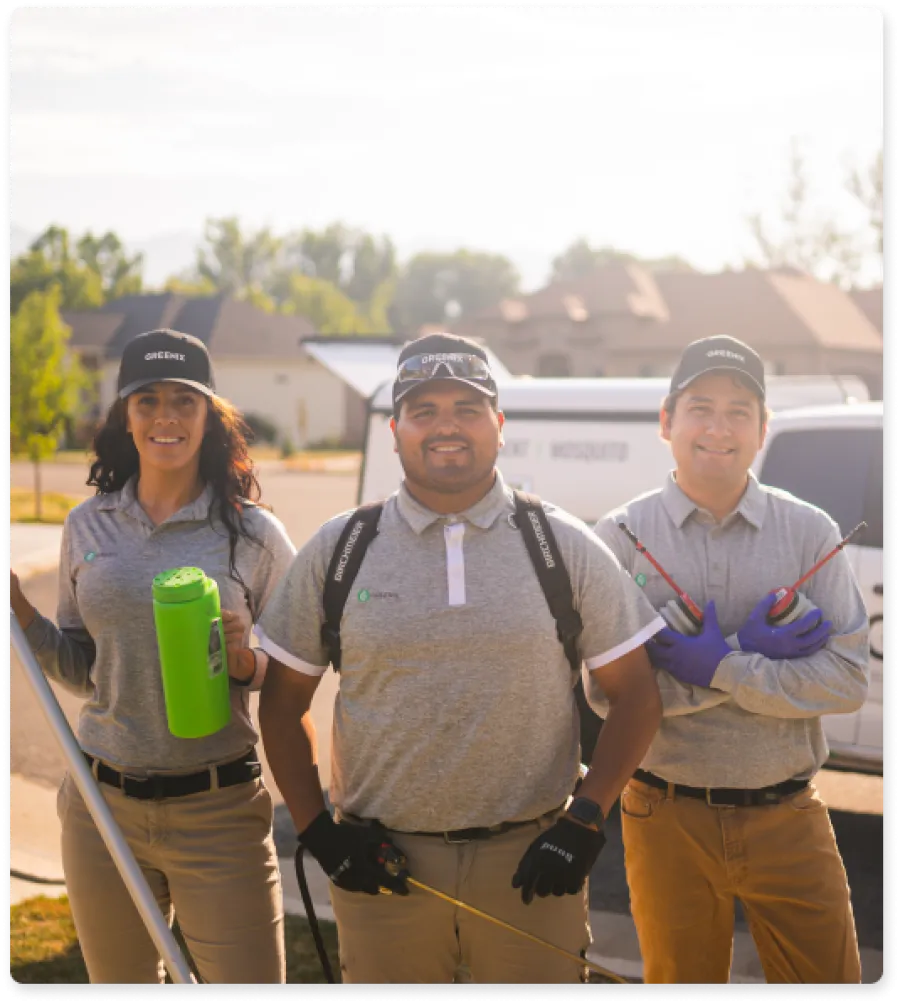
(478, 832)
(159, 786)
(769, 795)
(471, 832)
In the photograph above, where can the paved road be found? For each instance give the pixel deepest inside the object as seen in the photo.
(303, 502)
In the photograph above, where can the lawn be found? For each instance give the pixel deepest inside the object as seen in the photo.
(44, 948)
(54, 506)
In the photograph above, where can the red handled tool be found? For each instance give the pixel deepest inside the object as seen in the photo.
(394, 862)
(787, 595)
(687, 604)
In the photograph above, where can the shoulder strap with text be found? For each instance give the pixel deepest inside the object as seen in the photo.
(551, 571)
(360, 531)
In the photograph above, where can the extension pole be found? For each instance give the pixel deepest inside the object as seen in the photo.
(121, 854)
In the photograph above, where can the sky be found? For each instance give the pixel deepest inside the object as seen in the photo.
(512, 128)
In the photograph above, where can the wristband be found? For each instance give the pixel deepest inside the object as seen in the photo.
(252, 678)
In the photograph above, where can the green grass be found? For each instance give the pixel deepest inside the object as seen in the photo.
(60, 457)
(54, 506)
(44, 947)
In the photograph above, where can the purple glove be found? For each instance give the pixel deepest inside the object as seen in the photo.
(692, 659)
(801, 637)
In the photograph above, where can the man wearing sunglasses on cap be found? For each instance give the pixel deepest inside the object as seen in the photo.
(455, 725)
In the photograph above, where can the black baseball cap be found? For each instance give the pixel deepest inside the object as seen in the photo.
(443, 356)
(719, 352)
(165, 356)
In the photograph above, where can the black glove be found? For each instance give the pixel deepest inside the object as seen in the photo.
(558, 861)
(354, 857)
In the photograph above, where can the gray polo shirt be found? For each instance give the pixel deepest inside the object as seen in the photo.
(105, 647)
(760, 721)
(456, 704)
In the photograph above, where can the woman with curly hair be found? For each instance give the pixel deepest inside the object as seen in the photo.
(175, 487)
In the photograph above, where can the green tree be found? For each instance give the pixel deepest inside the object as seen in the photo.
(801, 236)
(868, 188)
(50, 261)
(234, 263)
(379, 305)
(322, 303)
(189, 286)
(357, 263)
(89, 271)
(46, 381)
(580, 260)
(435, 288)
(106, 256)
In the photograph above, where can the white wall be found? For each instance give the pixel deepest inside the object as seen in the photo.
(302, 398)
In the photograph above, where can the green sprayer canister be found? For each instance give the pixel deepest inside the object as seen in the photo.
(191, 652)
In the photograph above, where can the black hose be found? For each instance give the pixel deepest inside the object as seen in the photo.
(36, 879)
(311, 916)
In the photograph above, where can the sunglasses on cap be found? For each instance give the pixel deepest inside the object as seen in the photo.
(429, 366)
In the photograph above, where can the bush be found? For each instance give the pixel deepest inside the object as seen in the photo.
(287, 448)
(262, 430)
(328, 443)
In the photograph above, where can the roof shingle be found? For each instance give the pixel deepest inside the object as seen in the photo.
(228, 327)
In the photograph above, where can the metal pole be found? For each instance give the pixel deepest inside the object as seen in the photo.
(124, 860)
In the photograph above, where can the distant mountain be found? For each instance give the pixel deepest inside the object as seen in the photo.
(167, 254)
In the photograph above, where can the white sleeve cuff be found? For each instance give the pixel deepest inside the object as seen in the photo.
(291, 661)
(648, 631)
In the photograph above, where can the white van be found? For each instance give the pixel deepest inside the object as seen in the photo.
(832, 456)
(587, 445)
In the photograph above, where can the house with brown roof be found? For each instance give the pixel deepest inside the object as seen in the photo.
(624, 320)
(871, 303)
(260, 362)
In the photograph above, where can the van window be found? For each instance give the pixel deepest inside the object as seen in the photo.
(834, 469)
(873, 535)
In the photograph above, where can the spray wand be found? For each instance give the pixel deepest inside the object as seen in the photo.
(687, 605)
(394, 862)
(787, 600)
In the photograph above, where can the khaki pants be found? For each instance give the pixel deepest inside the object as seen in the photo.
(209, 856)
(422, 939)
(686, 862)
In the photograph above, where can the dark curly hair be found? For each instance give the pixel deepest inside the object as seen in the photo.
(224, 463)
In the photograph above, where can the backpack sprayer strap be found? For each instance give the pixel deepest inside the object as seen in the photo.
(360, 530)
(551, 572)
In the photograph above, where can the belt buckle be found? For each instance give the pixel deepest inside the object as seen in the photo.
(155, 781)
(710, 802)
(450, 839)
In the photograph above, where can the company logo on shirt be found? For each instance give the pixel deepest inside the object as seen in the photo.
(641, 579)
(90, 556)
(364, 595)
